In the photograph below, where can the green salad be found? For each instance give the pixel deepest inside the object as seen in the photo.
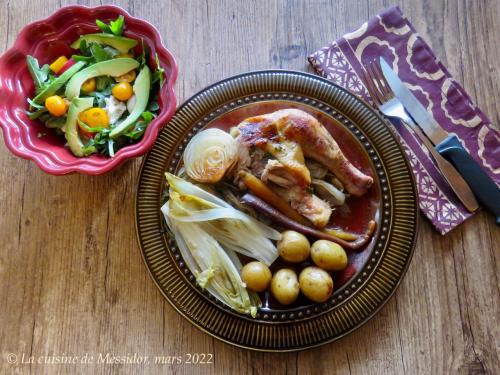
(101, 98)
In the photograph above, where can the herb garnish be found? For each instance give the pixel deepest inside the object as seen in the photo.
(114, 27)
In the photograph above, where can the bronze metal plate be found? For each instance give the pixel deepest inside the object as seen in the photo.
(388, 255)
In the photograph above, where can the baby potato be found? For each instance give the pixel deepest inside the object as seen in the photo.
(256, 275)
(328, 255)
(293, 247)
(316, 284)
(284, 286)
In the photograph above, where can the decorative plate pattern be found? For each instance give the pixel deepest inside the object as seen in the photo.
(351, 305)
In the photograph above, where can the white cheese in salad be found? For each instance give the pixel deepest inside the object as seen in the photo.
(114, 108)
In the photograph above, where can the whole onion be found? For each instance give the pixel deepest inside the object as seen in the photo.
(209, 155)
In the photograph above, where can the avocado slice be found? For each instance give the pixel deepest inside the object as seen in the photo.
(141, 89)
(71, 130)
(58, 83)
(120, 43)
(114, 68)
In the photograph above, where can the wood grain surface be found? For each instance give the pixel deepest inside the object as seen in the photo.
(72, 280)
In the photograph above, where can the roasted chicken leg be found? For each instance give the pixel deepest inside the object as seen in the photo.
(274, 132)
(276, 144)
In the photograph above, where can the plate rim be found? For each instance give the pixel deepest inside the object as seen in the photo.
(404, 270)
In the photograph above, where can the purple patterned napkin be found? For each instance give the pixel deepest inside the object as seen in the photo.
(391, 35)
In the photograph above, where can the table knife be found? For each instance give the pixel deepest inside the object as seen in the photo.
(448, 145)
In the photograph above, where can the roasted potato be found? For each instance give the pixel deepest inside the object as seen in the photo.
(328, 255)
(293, 246)
(316, 284)
(256, 275)
(284, 286)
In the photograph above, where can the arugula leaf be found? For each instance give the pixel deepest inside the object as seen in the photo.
(99, 53)
(86, 53)
(89, 148)
(36, 110)
(103, 84)
(142, 58)
(86, 59)
(44, 117)
(51, 78)
(140, 126)
(84, 48)
(35, 105)
(55, 122)
(94, 52)
(147, 116)
(153, 106)
(97, 129)
(100, 99)
(136, 133)
(159, 73)
(104, 27)
(99, 143)
(39, 74)
(115, 27)
(36, 114)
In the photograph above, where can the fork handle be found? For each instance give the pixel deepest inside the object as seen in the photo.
(481, 184)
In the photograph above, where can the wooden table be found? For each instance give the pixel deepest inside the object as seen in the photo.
(72, 280)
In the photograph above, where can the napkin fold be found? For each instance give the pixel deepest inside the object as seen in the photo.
(392, 36)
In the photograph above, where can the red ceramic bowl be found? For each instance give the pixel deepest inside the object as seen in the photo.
(46, 40)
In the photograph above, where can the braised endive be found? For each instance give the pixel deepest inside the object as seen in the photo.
(208, 231)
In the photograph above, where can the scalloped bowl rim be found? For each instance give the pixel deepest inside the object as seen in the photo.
(99, 166)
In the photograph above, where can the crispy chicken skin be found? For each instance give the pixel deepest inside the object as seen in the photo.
(261, 132)
(279, 132)
(313, 208)
(277, 143)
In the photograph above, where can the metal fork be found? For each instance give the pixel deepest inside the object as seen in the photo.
(391, 107)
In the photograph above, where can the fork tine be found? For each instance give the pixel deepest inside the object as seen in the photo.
(378, 83)
(385, 88)
(370, 85)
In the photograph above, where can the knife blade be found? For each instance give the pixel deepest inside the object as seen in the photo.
(412, 105)
(448, 145)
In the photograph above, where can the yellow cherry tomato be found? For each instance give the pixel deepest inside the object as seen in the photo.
(56, 105)
(122, 91)
(95, 117)
(58, 64)
(89, 85)
(127, 77)
(82, 116)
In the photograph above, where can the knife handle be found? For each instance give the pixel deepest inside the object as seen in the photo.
(486, 191)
